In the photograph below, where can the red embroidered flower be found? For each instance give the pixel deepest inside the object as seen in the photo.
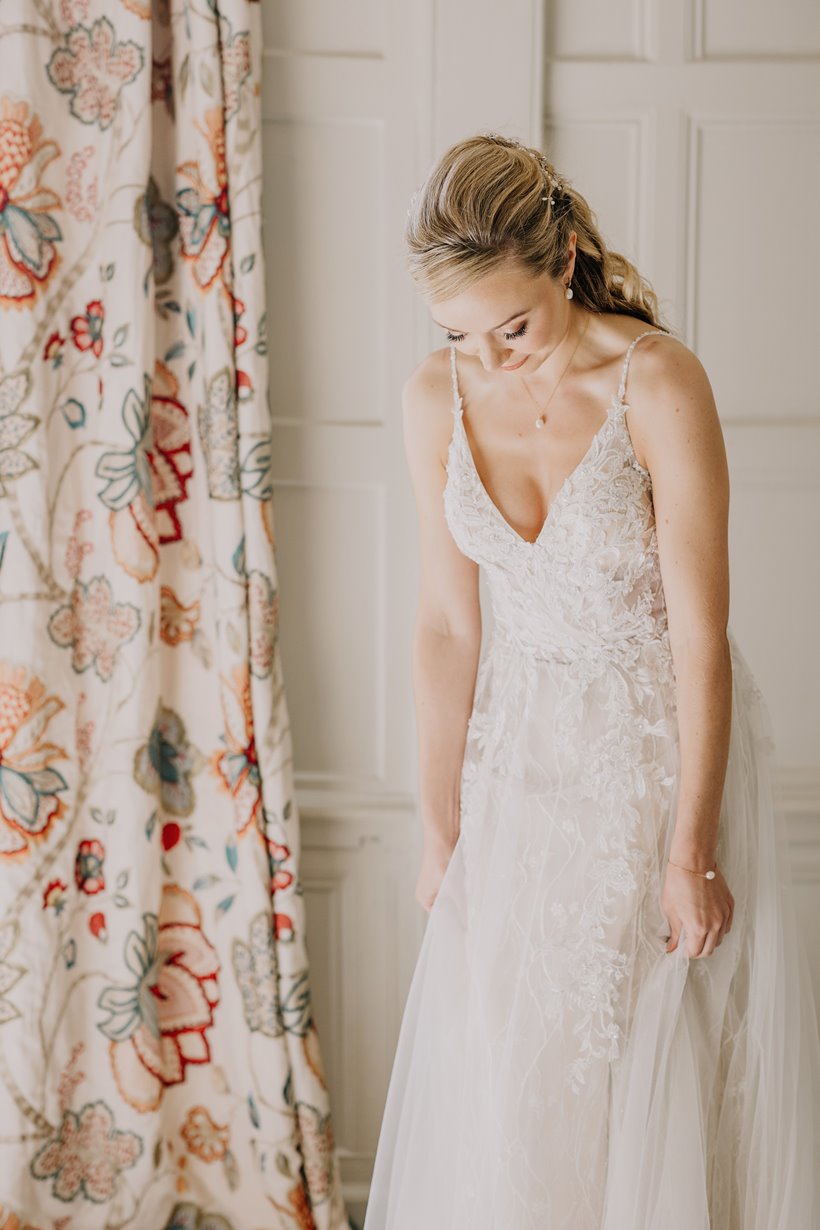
(86, 331)
(88, 867)
(53, 349)
(240, 332)
(171, 465)
(171, 833)
(54, 895)
(159, 1024)
(244, 385)
(280, 878)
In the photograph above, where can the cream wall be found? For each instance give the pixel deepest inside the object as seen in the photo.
(694, 128)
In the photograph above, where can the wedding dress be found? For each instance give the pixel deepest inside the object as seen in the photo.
(556, 1068)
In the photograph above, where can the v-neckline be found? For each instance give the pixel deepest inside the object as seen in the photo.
(615, 404)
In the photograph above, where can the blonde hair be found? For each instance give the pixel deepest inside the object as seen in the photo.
(490, 197)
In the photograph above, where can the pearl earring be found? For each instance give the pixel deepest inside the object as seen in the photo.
(568, 293)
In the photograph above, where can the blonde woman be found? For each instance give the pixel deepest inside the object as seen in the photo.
(610, 1026)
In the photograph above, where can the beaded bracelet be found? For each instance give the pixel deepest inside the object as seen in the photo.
(707, 875)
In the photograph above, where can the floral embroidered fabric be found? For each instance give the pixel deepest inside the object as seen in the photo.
(160, 1066)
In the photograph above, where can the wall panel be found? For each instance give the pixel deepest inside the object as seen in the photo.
(598, 29)
(753, 29)
(753, 272)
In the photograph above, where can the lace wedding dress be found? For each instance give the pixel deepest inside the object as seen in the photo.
(556, 1068)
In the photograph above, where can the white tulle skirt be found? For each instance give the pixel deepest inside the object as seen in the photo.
(556, 1068)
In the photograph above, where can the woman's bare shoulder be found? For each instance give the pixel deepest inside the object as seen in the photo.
(429, 385)
(672, 405)
(662, 359)
(427, 400)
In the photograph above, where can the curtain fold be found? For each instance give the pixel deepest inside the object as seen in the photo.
(159, 1063)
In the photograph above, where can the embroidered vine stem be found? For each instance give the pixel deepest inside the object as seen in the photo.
(54, 590)
(21, 1102)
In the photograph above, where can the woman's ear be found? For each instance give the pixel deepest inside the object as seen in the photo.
(571, 248)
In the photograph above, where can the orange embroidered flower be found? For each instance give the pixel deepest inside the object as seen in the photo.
(237, 767)
(177, 622)
(204, 213)
(205, 1139)
(29, 787)
(28, 232)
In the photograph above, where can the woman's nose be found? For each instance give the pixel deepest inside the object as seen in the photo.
(491, 357)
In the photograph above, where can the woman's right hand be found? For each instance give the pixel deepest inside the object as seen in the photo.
(435, 858)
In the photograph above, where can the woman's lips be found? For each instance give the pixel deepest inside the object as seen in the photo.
(514, 366)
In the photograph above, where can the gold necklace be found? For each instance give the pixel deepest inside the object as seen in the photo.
(542, 417)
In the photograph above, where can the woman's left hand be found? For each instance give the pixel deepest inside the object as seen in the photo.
(704, 908)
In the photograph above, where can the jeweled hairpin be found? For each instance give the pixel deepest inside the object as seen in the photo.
(554, 183)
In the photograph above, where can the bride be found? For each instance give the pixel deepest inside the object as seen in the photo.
(610, 1024)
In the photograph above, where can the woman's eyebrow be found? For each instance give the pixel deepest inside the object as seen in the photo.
(523, 312)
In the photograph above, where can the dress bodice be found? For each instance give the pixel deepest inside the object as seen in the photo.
(591, 580)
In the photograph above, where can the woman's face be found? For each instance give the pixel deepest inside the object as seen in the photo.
(509, 319)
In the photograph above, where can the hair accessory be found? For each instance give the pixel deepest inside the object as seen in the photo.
(554, 184)
(707, 875)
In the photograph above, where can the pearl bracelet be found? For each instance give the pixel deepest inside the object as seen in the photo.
(707, 875)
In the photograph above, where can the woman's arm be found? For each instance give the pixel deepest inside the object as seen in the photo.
(675, 425)
(447, 634)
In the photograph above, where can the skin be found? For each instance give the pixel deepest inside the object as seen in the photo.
(675, 431)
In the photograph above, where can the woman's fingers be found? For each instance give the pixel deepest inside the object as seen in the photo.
(704, 942)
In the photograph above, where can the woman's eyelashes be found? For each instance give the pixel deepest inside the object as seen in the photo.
(459, 337)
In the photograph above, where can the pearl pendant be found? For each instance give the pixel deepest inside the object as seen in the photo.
(539, 422)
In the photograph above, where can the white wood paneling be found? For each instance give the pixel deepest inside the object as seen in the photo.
(599, 29)
(754, 182)
(488, 64)
(326, 27)
(774, 515)
(364, 930)
(331, 609)
(754, 29)
(323, 182)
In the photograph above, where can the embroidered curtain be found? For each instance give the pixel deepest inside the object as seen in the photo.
(159, 1065)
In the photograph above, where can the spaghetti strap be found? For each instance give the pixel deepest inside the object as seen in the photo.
(456, 393)
(628, 356)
